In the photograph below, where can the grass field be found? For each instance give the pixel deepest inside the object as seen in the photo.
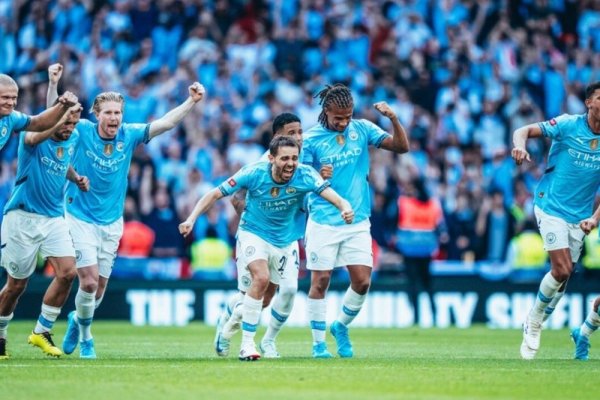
(178, 363)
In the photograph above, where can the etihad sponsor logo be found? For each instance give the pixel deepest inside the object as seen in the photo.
(582, 156)
(341, 156)
(54, 168)
(103, 164)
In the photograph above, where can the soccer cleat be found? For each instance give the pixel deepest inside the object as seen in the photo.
(340, 333)
(87, 350)
(249, 353)
(233, 324)
(532, 331)
(222, 345)
(3, 352)
(269, 350)
(44, 341)
(582, 345)
(320, 350)
(71, 338)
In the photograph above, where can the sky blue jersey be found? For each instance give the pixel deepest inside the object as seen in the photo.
(106, 164)
(13, 122)
(348, 152)
(272, 209)
(42, 176)
(569, 185)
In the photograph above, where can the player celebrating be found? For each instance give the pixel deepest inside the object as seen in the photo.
(573, 158)
(342, 143)
(267, 232)
(34, 222)
(96, 218)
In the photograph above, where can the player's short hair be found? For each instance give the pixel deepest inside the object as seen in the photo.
(107, 96)
(589, 91)
(281, 141)
(337, 94)
(282, 120)
(6, 80)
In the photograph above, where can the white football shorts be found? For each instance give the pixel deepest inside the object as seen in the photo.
(96, 244)
(558, 234)
(283, 262)
(329, 246)
(24, 234)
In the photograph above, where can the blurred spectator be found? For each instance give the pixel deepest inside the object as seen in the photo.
(211, 257)
(495, 227)
(138, 238)
(526, 255)
(421, 228)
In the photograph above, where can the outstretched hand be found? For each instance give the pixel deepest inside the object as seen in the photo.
(83, 183)
(55, 73)
(196, 91)
(385, 110)
(185, 228)
(68, 99)
(348, 215)
(519, 154)
(588, 225)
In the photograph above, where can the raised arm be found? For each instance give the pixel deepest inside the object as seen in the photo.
(35, 138)
(173, 117)
(54, 75)
(398, 143)
(48, 118)
(200, 208)
(520, 136)
(341, 204)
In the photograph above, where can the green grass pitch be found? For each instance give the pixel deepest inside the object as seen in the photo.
(179, 363)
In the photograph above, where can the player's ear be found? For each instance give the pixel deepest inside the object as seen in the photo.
(271, 158)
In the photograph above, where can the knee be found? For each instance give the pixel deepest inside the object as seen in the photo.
(261, 280)
(88, 285)
(66, 274)
(562, 271)
(320, 284)
(288, 292)
(15, 287)
(362, 286)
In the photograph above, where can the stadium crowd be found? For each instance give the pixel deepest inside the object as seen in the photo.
(461, 76)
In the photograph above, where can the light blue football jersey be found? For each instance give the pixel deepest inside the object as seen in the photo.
(569, 185)
(106, 164)
(13, 122)
(273, 210)
(348, 152)
(42, 176)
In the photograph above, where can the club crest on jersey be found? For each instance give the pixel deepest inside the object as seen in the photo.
(108, 149)
(274, 192)
(4, 131)
(340, 139)
(60, 153)
(594, 144)
(290, 190)
(353, 135)
(120, 146)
